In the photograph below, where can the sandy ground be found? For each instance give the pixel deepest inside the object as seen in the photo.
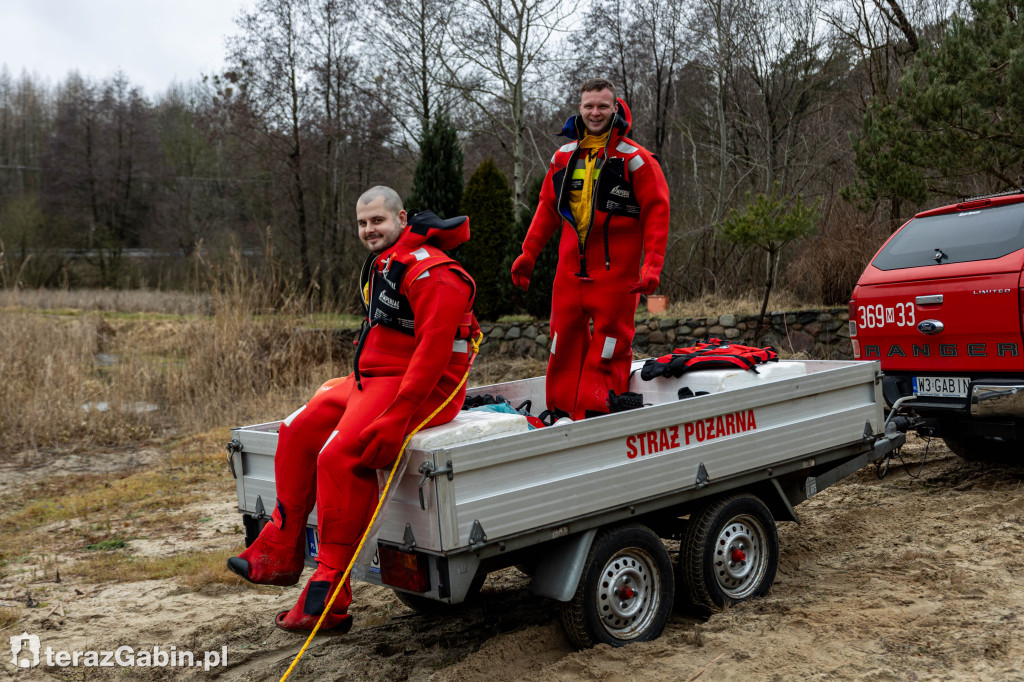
(894, 579)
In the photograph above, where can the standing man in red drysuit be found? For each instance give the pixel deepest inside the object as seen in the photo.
(609, 198)
(412, 353)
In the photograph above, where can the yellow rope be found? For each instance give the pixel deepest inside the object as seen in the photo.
(475, 346)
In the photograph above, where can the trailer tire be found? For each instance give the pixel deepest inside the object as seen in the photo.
(628, 557)
(728, 554)
(426, 606)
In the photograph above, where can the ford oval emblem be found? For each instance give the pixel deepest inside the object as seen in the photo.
(930, 327)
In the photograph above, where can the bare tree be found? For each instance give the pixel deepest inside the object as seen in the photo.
(102, 153)
(270, 64)
(334, 67)
(501, 49)
(409, 60)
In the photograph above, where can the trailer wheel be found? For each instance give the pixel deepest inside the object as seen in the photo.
(626, 590)
(431, 607)
(728, 554)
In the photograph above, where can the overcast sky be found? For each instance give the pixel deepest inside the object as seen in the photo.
(153, 41)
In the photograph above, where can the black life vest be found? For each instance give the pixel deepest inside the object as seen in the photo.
(613, 194)
(384, 302)
(708, 354)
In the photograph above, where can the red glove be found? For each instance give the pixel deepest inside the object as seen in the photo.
(646, 284)
(522, 269)
(650, 273)
(383, 437)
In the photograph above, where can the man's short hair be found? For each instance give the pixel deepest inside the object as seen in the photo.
(392, 202)
(593, 84)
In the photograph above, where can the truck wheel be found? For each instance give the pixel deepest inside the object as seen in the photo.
(984, 449)
(625, 592)
(431, 607)
(729, 553)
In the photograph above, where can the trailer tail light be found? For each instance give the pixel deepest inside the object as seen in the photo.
(407, 570)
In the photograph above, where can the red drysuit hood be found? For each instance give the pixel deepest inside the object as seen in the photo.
(426, 228)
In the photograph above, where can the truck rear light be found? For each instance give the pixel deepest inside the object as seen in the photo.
(407, 570)
(978, 203)
(853, 318)
(856, 349)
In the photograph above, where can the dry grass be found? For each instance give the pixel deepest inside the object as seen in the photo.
(748, 304)
(92, 379)
(106, 300)
(49, 375)
(191, 569)
(9, 617)
(99, 498)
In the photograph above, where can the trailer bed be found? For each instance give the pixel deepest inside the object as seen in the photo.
(508, 484)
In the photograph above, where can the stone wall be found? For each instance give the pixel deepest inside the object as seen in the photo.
(820, 334)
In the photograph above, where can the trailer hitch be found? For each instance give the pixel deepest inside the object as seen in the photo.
(430, 471)
(894, 437)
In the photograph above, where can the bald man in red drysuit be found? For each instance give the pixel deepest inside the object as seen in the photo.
(609, 198)
(413, 352)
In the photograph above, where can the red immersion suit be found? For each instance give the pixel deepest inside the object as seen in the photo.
(412, 354)
(601, 273)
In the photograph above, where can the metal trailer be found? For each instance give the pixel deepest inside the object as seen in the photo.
(583, 507)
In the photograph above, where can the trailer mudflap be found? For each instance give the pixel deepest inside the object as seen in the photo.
(558, 574)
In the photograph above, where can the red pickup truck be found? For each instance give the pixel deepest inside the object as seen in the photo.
(940, 305)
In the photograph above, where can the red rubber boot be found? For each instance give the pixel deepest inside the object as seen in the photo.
(277, 557)
(314, 598)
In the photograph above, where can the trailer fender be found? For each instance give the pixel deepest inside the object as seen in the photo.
(561, 565)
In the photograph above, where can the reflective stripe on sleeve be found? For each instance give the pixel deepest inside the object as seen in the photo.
(635, 163)
(293, 415)
(625, 148)
(554, 340)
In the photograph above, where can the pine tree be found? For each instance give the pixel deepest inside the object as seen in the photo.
(488, 203)
(958, 118)
(437, 182)
(770, 222)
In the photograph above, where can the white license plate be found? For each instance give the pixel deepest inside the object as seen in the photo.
(941, 387)
(312, 541)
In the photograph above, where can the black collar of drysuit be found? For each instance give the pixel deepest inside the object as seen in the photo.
(576, 129)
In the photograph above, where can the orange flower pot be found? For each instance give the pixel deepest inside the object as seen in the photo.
(657, 304)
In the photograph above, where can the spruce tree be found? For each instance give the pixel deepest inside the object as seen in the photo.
(488, 203)
(437, 182)
(958, 118)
